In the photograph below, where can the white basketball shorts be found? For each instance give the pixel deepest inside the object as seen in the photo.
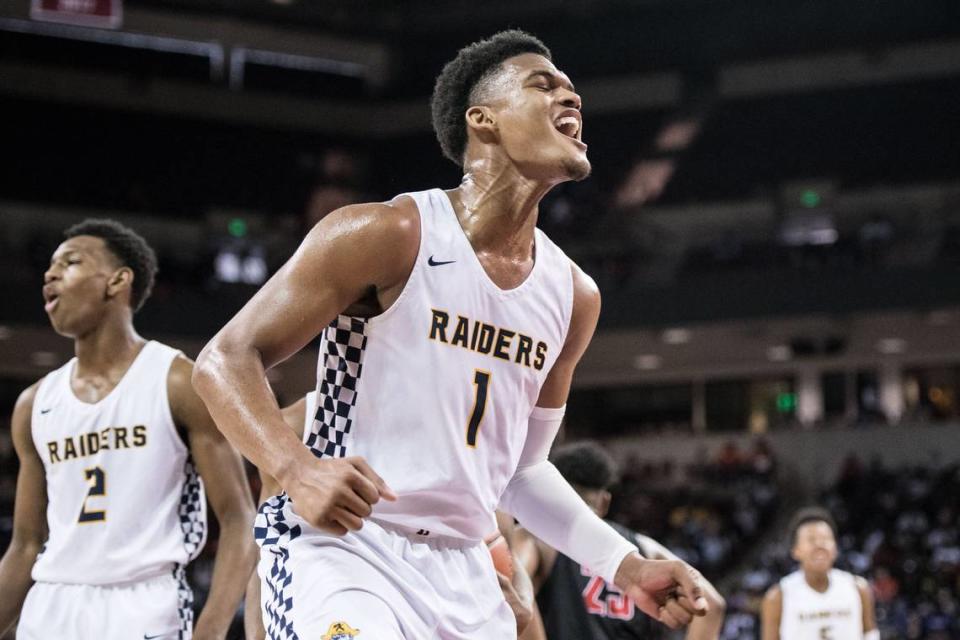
(153, 609)
(379, 584)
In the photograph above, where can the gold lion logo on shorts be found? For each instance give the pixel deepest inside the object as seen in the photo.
(340, 631)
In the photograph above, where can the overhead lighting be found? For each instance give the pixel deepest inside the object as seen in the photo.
(779, 353)
(891, 346)
(675, 336)
(647, 362)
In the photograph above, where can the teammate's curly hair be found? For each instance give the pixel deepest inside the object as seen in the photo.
(130, 249)
(587, 464)
(455, 84)
(807, 515)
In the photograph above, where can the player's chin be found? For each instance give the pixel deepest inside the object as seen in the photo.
(577, 168)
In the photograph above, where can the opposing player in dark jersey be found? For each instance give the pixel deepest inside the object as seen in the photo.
(115, 448)
(576, 604)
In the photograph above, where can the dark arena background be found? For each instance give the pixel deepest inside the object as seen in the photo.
(773, 220)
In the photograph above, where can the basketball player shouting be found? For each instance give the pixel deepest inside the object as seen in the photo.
(818, 601)
(456, 327)
(109, 505)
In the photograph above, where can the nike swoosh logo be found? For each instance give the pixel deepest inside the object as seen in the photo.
(434, 263)
(160, 635)
(45, 411)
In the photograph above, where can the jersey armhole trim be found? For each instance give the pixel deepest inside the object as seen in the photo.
(414, 272)
(168, 412)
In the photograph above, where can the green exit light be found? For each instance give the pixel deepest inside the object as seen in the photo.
(810, 198)
(237, 227)
(786, 402)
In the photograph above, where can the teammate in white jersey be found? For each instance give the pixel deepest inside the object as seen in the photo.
(451, 330)
(818, 602)
(109, 505)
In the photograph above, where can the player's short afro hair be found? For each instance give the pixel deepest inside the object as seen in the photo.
(586, 464)
(130, 249)
(451, 93)
(807, 515)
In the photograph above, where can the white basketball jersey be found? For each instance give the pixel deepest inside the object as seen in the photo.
(807, 614)
(435, 392)
(124, 502)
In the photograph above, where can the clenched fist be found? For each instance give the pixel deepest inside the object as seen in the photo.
(670, 591)
(334, 494)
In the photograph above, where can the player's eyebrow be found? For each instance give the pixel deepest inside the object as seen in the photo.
(65, 254)
(554, 77)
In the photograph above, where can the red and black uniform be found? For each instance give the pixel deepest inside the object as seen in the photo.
(579, 606)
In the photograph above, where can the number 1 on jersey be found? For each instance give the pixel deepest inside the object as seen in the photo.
(98, 487)
(481, 380)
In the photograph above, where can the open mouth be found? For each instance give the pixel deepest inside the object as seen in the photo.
(50, 300)
(568, 126)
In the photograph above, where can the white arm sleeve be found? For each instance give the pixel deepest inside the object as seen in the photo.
(548, 507)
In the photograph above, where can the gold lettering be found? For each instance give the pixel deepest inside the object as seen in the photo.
(460, 333)
(438, 326)
(541, 356)
(504, 337)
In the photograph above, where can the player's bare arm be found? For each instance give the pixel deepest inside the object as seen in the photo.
(355, 254)
(223, 475)
(770, 612)
(29, 515)
(868, 609)
(518, 590)
(536, 557)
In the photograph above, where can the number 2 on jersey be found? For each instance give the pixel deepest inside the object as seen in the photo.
(98, 487)
(481, 381)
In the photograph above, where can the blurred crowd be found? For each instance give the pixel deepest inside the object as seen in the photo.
(898, 528)
(708, 513)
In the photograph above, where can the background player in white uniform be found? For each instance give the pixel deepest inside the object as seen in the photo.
(818, 602)
(518, 592)
(109, 505)
(456, 327)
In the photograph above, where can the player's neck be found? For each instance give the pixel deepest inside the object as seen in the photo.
(112, 342)
(498, 208)
(817, 580)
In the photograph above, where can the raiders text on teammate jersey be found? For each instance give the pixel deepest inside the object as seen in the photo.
(87, 444)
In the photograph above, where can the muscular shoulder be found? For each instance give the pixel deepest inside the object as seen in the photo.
(22, 412)
(379, 240)
(396, 221)
(862, 586)
(26, 397)
(586, 306)
(179, 375)
(586, 293)
(186, 406)
(773, 596)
